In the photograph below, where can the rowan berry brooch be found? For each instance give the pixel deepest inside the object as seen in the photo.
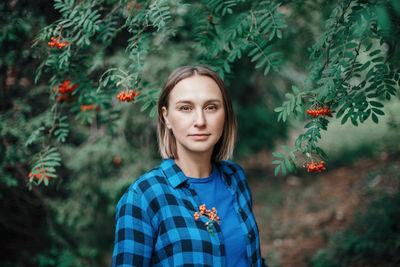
(212, 217)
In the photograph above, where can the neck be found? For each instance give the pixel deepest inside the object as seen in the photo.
(195, 165)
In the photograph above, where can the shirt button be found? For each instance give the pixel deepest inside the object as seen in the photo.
(232, 187)
(240, 210)
(249, 236)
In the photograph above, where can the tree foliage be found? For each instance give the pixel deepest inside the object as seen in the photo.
(63, 124)
(354, 68)
(351, 66)
(66, 128)
(220, 40)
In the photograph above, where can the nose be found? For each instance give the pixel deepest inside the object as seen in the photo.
(200, 119)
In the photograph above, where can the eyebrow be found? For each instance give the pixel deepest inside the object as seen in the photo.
(183, 101)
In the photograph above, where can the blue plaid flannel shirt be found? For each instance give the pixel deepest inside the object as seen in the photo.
(155, 225)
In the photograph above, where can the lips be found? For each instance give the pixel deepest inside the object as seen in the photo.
(199, 137)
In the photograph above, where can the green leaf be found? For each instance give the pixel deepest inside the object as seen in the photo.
(372, 95)
(290, 96)
(145, 106)
(283, 169)
(256, 57)
(260, 63)
(310, 124)
(288, 165)
(284, 116)
(354, 120)
(378, 111)
(321, 152)
(345, 118)
(375, 118)
(365, 66)
(280, 116)
(342, 110)
(378, 59)
(279, 34)
(349, 55)
(153, 111)
(267, 69)
(375, 52)
(368, 47)
(376, 104)
(286, 148)
(366, 114)
(278, 155)
(227, 67)
(369, 74)
(277, 169)
(295, 90)
(351, 45)
(34, 136)
(298, 101)
(318, 124)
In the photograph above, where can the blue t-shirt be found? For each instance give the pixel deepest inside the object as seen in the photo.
(212, 192)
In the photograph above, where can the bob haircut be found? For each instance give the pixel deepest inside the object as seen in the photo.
(223, 149)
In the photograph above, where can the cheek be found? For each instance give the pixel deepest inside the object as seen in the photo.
(179, 121)
(219, 121)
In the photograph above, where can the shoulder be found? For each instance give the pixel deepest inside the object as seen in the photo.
(150, 180)
(148, 186)
(231, 166)
(233, 171)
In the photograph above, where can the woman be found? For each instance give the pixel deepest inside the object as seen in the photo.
(158, 221)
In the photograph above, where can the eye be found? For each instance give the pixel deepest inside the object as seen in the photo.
(212, 107)
(185, 108)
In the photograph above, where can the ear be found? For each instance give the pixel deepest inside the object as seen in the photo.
(165, 116)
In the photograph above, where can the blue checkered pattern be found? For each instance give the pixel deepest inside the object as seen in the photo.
(155, 225)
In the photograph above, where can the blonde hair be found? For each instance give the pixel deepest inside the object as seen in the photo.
(223, 149)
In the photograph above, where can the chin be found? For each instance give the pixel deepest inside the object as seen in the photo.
(199, 148)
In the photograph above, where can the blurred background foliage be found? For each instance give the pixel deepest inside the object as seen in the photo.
(372, 238)
(71, 221)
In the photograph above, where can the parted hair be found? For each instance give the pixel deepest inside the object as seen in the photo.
(223, 149)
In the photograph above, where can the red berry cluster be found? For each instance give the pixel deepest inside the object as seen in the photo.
(209, 18)
(39, 175)
(314, 167)
(128, 97)
(90, 107)
(137, 6)
(57, 44)
(117, 160)
(212, 215)
(66, 90)
(319, 112)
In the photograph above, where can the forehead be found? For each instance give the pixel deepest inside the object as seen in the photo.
(195, 88)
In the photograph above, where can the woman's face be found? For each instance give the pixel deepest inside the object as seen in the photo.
(195, 114)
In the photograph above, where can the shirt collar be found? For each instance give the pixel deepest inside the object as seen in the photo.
(173, 173)
(226, 171)
(176, 177)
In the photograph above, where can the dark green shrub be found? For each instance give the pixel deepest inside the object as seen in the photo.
(374, 237)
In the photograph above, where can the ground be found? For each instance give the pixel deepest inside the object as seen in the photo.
(296, 214)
